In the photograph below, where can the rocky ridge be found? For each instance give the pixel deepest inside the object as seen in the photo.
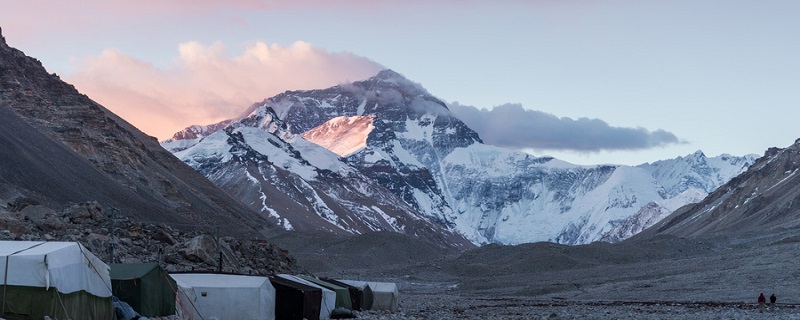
(764, 198)
(95, 155)
(68, 163)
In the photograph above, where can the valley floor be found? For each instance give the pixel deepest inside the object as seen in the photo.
(448, 306)
(443, 301)
(656, 278)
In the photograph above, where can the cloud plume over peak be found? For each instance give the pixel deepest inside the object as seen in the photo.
(512, 126)
(206, 83)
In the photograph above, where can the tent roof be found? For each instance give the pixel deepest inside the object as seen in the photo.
(292, 284)
(213, 280)
(122, 271)
(382, 286)
(323, 283)
(67, 266)
(29, 248)
(375, 286)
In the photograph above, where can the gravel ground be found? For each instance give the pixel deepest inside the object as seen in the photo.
(659, 278)
(443, 306)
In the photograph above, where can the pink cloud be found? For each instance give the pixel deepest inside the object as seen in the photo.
(206, 83)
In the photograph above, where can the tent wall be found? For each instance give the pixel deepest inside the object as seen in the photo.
(68, 266)
(295, 301)
(343, 299)
(385, 295)
(328, 303)
(32, 303)
(361, 297)
(220, 296)
(146, 287)
(57, 279)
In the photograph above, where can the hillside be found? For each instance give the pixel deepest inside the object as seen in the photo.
(70, 166)
(764, 199)
(61, 147)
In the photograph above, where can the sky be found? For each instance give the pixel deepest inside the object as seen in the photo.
(588, 82)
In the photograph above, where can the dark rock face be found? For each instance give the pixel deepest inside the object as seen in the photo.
(60, 146)
(64, 158)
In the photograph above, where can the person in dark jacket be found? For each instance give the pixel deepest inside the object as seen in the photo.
(772, 300)
(761, 302)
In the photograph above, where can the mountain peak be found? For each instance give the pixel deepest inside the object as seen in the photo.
(698, 154)
(389, 74)
(388, 78)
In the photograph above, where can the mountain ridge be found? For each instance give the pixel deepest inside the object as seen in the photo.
(437, 165)
(141, 179)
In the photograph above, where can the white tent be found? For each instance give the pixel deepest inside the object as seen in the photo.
(224, 296)
(80, 281)
(328, 296)
(385, 294)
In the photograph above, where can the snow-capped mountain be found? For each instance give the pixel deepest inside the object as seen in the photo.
(302, 186)
(392, 132)
(762, 199)
(685, 180)
(192, 135)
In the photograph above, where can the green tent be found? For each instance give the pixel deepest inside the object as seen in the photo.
(360, 294)
(342, 293)
(61, 280)
(146, 287)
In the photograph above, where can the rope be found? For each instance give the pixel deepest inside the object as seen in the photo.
(177, 292)
(80, 247)
(58, 294)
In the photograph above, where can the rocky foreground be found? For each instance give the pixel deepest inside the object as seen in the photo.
(177, 249)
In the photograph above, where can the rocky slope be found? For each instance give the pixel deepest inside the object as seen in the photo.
(418, 150)
(65, 157)
(65, 148)
(765, 198)
(134, 241)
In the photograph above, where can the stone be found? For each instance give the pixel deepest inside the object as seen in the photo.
(35, 212)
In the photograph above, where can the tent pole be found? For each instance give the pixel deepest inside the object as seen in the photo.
(5, 285)
(219, 252)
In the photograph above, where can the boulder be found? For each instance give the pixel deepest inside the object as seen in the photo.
(35, 212)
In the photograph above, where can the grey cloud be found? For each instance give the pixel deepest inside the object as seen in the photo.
(512, 126)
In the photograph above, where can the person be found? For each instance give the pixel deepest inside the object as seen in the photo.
(761, 302)
(772, 300)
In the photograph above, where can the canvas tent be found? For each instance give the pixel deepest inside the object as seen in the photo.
(294, 300)
(57, 279)
(361, 296)
(342, 294)
(328, 301)
(224, 296)
(384, 294)
(146, 287)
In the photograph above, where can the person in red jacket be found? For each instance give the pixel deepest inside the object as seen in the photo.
(761, 302)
